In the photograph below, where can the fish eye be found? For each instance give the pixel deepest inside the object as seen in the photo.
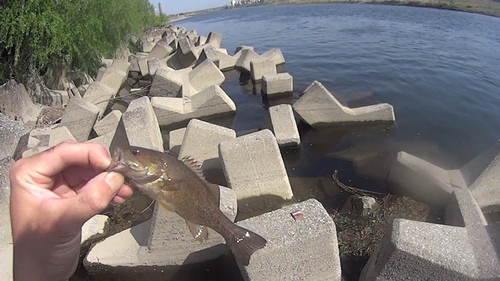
(135, 151)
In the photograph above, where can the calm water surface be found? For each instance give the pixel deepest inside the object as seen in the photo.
(439, 69)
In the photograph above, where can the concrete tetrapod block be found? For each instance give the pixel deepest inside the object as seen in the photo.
(212, 101)
(204, 75)
(255, 170)
(12, 132)
(413, 250)
(226, 62)
(317, 106)
(201, 40)
(214, 39)
(59, 135)
(79, 117)
(16, 103)
(161, 50)
(167, 83)
(208, 53)
(109, 123)
(41, 134)
(186, 54)
(421, 180)
(104, 140)
(175, 139)
(57, 98)
(121, 65)
(141, 125)
(153, 65)
(201, 143)
(161, 244)
(284, 126)
(241, 47)
(298, 248)
(274, 55)
(114, 78)
(93, 227)
(277, 84)
(244, 57)
(486, 188)
(99, 94)
(260, 68)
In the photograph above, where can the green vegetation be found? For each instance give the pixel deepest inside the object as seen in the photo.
(42, 36)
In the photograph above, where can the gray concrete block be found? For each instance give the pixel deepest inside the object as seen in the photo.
(211, 102)
(186, 54)
(99, 94)
(15, 102)
(297, 249)
(161, 50)
(113, 78)
(143, 66)
(462, 210)
(201, 40)
(267, 184)
(204, 75)
(153, 65)
(109, 123)
(274, 55)
(141, 125)
(413, 250)
(32, 142)
(208, 53)
(277, 84)
(79, 117)
(175, 139)
(59, 135)
(121, 65)
(261, 68)
(167, 83)
(12, 131)
(241, 47)
(94, 227)
(164, 242)
(486, 188)
(201, 143)
(57, 98)
(104, 140)
(226, 62)
(244, 57)
(214, 39)
(317, 106)
(34, 150)
(284, 126)
(134, 62)
(147, 46)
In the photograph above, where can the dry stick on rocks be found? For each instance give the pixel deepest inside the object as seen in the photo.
(353, 190)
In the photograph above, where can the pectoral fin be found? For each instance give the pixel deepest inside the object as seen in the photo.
(199, 232)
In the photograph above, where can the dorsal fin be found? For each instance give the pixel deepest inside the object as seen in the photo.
(196, 168)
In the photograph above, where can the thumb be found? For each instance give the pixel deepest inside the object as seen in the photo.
(96, 195)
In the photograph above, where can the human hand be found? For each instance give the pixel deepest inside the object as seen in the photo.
(53, 194)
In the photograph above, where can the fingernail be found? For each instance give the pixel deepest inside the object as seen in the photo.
(115, 180)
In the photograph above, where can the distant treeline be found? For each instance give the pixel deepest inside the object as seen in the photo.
(39, 35)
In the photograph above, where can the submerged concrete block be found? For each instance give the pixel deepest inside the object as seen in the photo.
(99, 94)
(268, 182)
(317, 106)
(244, 58)
(79, 117)
(141, 125)
(59, 135)
(261, 68)
(162, 243)
(214, 39)
(277, 84)
(284, 126)
(303, 247)
(204, 75)
(201, 143)
(109, 123)
(275, 55)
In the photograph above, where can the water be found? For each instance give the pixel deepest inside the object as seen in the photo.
(439, 69)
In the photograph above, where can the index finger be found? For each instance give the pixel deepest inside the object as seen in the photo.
(59, 157)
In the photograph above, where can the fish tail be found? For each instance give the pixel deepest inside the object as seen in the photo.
(244, 243)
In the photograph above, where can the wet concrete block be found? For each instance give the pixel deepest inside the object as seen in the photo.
(167, 83)
(214, 39)
(201, 143)
(93, 227)
(99, 94)
(274, 55)
(208, 53)
(59, 135)
(261, 68)
(162, 243)
(421, 180)
(317, 107)
(15, 103)
(226, 62)
(161, 50)
(175, 139)
(298, 248)
(255, 170)
(277, 84)
(109, 123)
(413, 250)
(141, 125)
(284, 126)
(204, 75)
(80, 117)
(243, 59)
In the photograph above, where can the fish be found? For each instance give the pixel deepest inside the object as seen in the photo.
(179, 186)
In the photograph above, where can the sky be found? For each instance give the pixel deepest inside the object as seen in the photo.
(182, 6)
